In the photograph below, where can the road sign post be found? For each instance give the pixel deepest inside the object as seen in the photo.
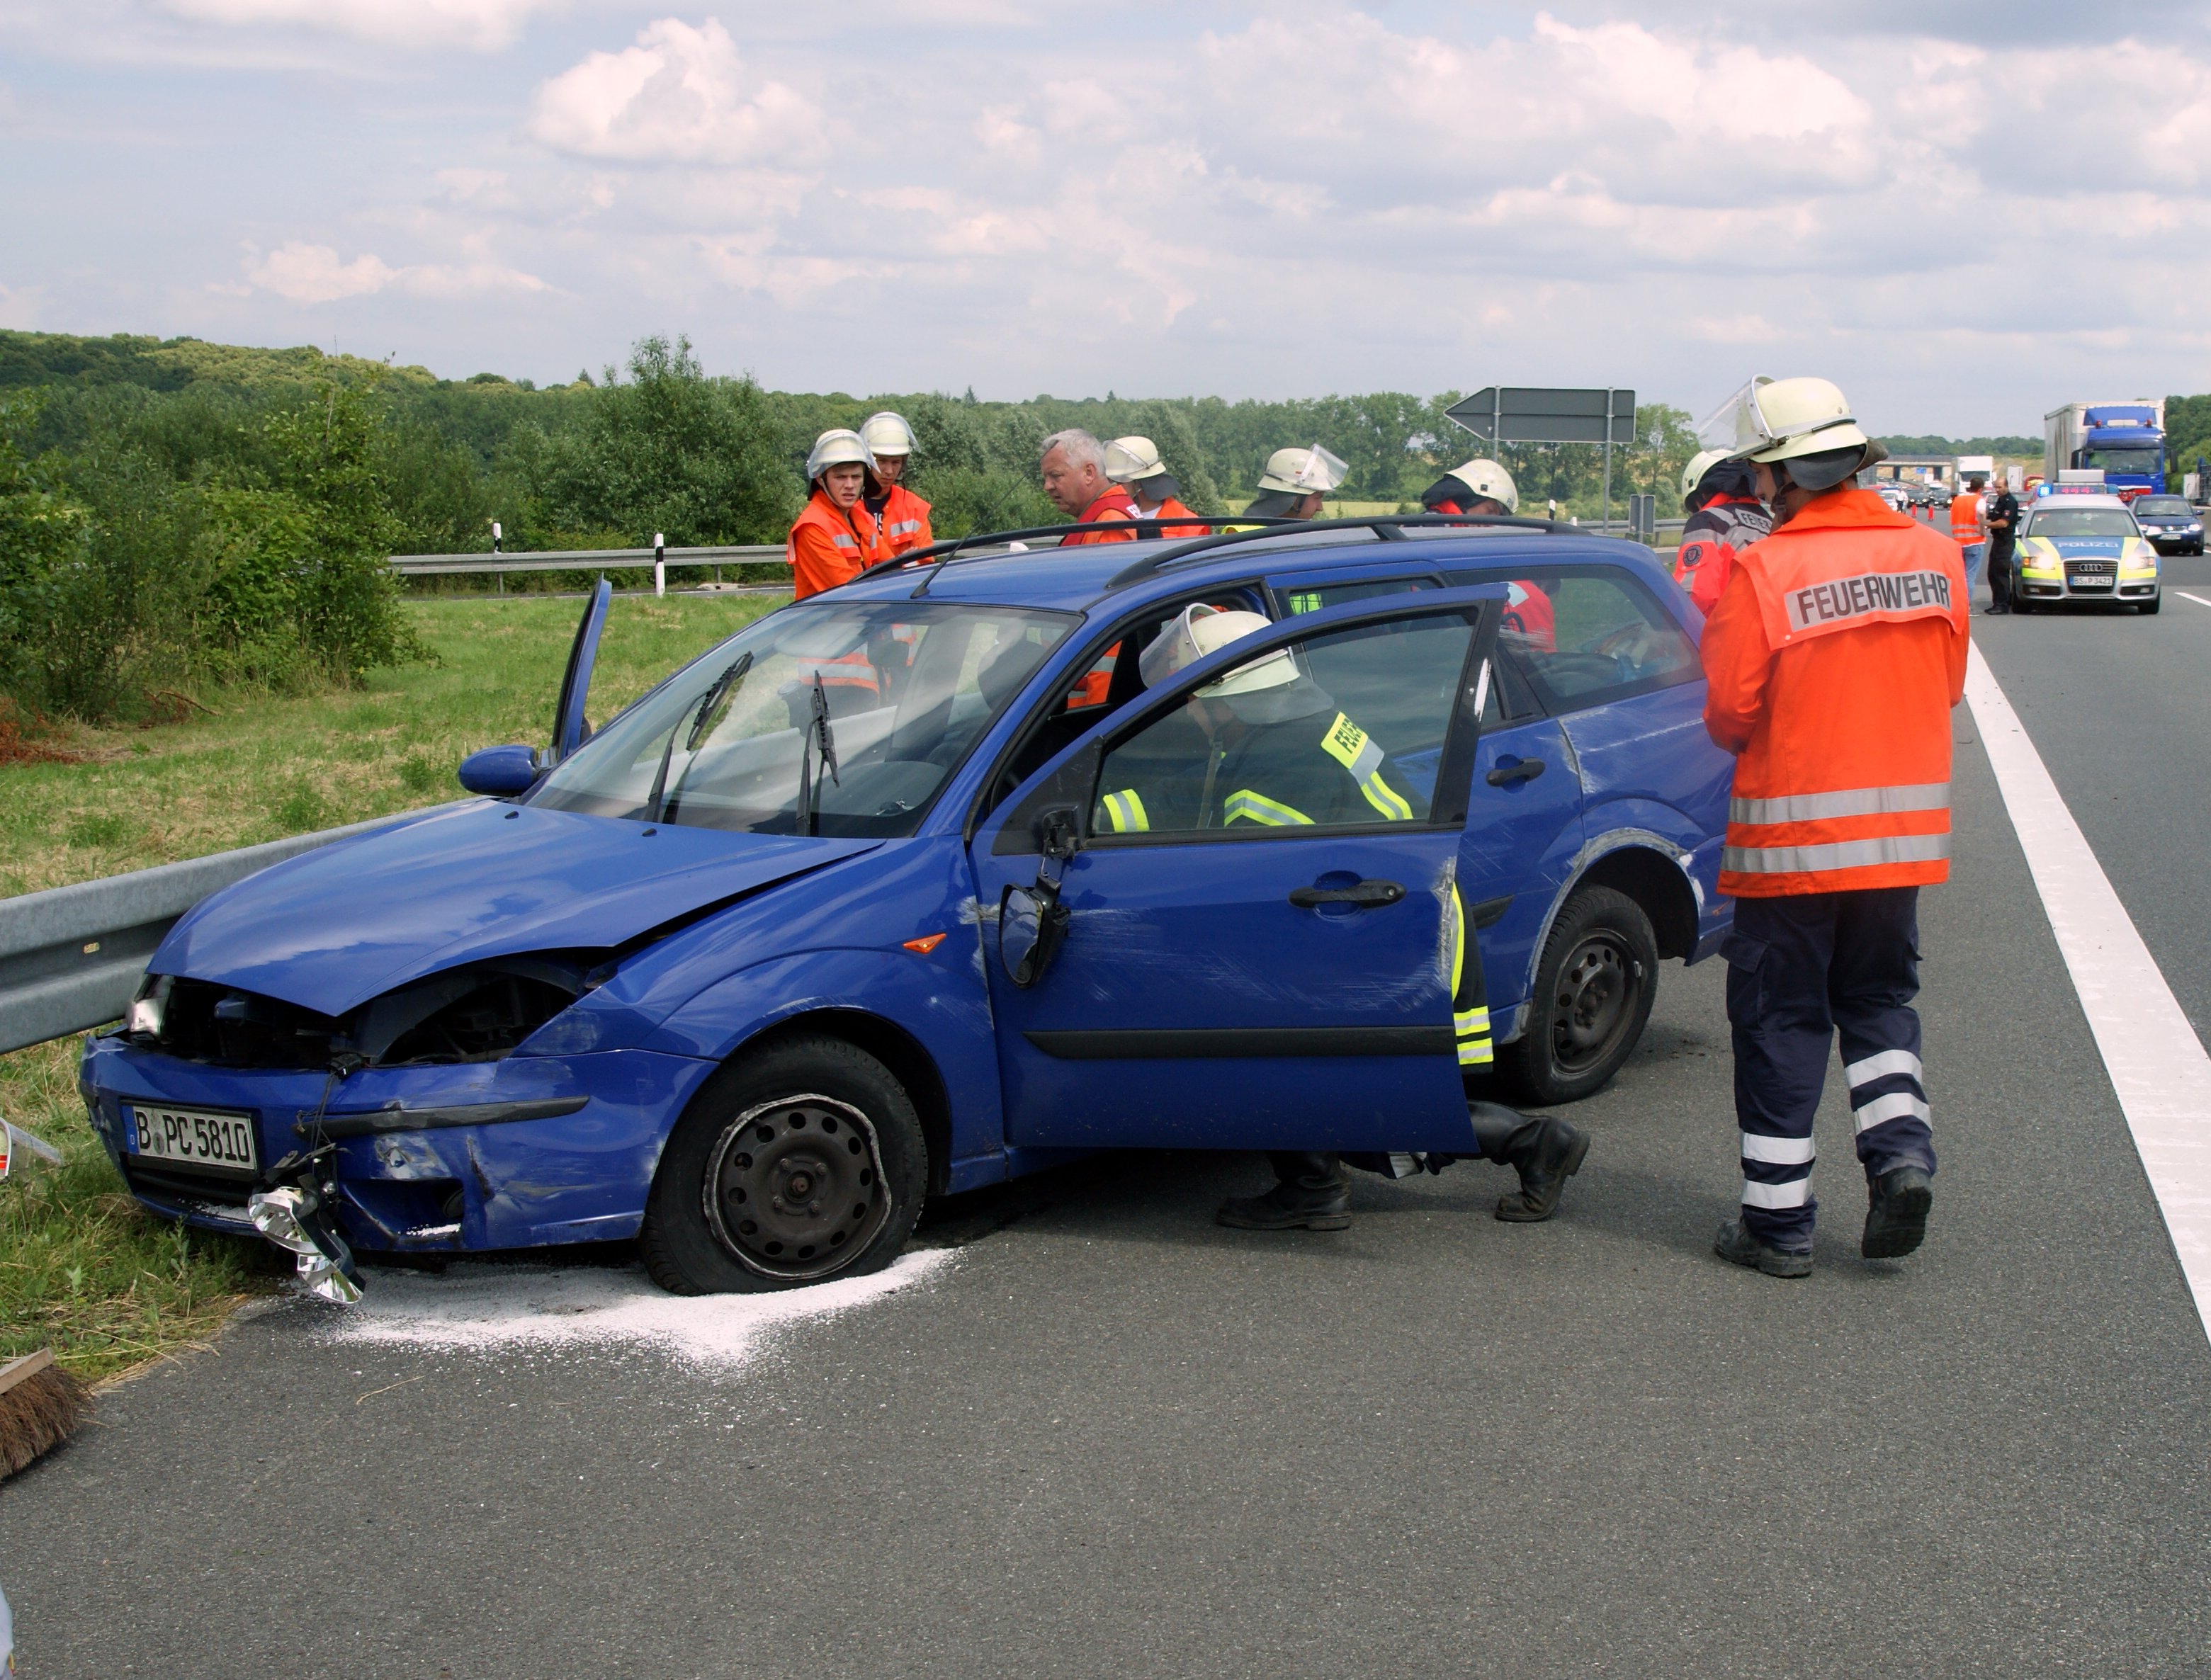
(1551, 414)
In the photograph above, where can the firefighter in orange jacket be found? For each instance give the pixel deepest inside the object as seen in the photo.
(1833, 656)
(1073, 463)
(902, 517)
(1725, 517)
(1134, 463)
(1966, 527)
(834, 538)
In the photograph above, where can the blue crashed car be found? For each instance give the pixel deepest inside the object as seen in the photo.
(840, 916)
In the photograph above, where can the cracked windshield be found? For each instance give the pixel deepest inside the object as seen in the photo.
(838, 720)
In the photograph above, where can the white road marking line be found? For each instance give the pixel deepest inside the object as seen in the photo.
(2157, 1065)
(2198, 599)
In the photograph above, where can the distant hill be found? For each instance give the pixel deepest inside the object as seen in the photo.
(170, 364)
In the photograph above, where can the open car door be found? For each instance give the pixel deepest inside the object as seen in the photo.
(1228, 921)
(571, 729)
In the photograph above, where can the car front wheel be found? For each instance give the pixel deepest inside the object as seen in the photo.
(1594, 988)
(796, 1163)
(2151, 605)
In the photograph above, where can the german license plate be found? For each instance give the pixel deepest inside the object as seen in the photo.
(195, 1137)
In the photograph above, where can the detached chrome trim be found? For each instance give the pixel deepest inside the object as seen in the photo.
(391, 1117)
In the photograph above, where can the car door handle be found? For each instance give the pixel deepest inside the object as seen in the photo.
(1520, 769)
(1365, 892)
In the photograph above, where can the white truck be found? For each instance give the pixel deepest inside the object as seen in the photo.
(2125, 441)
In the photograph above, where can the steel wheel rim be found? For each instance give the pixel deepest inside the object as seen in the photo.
(1592, 1003)
(794, 1188)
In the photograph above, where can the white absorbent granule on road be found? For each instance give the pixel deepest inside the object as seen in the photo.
(494, 1307)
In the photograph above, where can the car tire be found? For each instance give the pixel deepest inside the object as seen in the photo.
(1594, 987)
(2145, 608)
(797, 1163)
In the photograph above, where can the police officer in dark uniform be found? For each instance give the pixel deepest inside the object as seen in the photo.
(2003, 520)
(1280, 755)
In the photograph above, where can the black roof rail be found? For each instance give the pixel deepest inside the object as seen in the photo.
(1389, 527)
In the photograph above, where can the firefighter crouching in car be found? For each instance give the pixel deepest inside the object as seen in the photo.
(1282, 755)
(1834, 657)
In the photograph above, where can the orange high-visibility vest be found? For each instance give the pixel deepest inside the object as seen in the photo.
(1114, 507)
(829, 546)
(1172, 509)
(1965, 518)
(905, 521)
(1833, 658)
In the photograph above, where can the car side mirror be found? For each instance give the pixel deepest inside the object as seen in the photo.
(499, 771)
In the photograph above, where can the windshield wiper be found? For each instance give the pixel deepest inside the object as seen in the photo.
(810, 789)
(655, 808)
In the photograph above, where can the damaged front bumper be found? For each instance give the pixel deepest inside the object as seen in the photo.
(520, 1153)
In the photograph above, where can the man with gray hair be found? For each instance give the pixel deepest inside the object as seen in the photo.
(1073, 466)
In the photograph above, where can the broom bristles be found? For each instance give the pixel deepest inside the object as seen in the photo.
(38, 1412)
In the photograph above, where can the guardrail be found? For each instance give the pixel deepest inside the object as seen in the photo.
(585, 559)
(70, 957)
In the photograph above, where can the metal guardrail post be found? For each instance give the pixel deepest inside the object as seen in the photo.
(72, 957)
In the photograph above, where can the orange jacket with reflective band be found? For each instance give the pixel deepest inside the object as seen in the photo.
(1109, 509)
(1965, 518)
(905, 521)
(1834, 656)
(1172, 509)
(829, 546)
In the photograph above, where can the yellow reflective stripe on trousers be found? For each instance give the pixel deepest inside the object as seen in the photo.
(1125, 812)
(1839, 855)
(1245, 806)
(1843, 802)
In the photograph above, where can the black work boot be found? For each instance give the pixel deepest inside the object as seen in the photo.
(1736, 1244)
(1315, 1193)
(1546, 1152)
(1896, 1218)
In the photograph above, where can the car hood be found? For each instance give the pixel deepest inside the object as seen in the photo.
(336, 926)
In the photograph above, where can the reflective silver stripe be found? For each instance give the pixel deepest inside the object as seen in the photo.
(904, 527)
(1844, 802)
(1840, 855)
(1795, 1194)
(1777, 1151)
(1881, 1067)
(844, 541)
(1897, 1105)
(1475, 1051)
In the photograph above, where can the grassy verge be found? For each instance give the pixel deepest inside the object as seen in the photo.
(252, 767)
(83, 1269)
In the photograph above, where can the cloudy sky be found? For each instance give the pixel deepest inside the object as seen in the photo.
(1965, 226)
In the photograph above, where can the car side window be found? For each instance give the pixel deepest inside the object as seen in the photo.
(1587, 637)
(1343, 730)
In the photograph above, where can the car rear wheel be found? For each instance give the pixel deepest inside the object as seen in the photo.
(1594, 988)
(800, 1162)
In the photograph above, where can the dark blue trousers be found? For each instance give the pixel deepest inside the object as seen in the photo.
(1800, 969)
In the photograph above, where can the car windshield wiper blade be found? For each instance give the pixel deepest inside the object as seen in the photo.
(702, 725)
(809, 788)
(654, 804)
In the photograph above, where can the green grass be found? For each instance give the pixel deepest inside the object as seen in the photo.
(257, 767)
(83, 1269)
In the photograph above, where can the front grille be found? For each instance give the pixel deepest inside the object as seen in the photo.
(2091, 568)
(181, 1185)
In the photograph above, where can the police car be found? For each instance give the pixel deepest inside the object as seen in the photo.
(2084, 547)
(836, 917)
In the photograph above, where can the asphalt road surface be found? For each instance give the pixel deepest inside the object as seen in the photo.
(1107, 1437)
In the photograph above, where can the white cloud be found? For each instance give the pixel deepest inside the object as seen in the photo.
(308, 274)
(483, 25)
(680, 95)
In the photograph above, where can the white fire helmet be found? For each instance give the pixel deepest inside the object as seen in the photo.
(837, 449)
(1201, 630)
(1302, 471)
(1128, 460)
(1700, 463)
(1805, 420)
(1486, 478)
(887, 433)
